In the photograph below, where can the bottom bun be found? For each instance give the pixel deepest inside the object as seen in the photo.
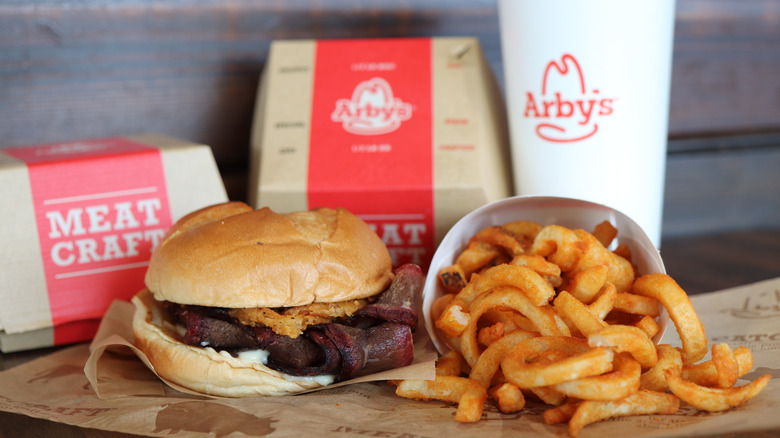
(203, 369)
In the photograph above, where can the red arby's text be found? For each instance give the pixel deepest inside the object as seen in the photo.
(568, 112)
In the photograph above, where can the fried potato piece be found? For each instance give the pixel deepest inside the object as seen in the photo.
(453, 320)
(577, 250)
(669, 360)
(726, 365)
(452, 279)
(624, 251)
(621, 382)
(519, 369)
(451, 364)
(640, 403)
(663, 288)
(637, 304)
(543, 318)
(476, 256)
(604, 302)
(706, 373)
(715, 399)
(501, 237)
(524, 231)
(621, 271)
(511, 320)
(549, 271)
(561, 413)
(487, 335)
(489, 361)
(439, 305)
(520, 277)
(624, 338)
(588, 282)
(548, 394)
(509, 397)
(648, 325)
(558, 245)
(573, 310)
(605, 232)
(468, 394)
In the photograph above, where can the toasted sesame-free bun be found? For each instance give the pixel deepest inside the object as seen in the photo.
(230, 255)
(204, 370)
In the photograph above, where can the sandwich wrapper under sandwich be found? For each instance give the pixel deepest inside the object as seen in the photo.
(62, 387)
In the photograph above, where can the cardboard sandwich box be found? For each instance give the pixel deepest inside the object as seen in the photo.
(80, 221)
(409, 134)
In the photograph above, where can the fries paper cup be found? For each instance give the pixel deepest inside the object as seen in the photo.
(545, 210)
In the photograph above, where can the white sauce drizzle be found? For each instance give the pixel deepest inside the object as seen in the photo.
(261, 356)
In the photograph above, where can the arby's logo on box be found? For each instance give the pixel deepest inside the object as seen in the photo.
(566, 109)
(372, 110)
(371, 139)
(101, 207)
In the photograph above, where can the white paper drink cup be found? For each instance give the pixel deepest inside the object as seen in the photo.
(587, 87)
(545, 210)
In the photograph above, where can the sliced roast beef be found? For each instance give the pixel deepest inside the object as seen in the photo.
(365, 351)
(289, 352)
(330, 365)
(205, 331)
(390, 345)
(351, 342)
(399, 302)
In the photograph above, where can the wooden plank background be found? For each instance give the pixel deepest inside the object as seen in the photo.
(92, 68)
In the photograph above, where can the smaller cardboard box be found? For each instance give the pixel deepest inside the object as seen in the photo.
(409, 134)
(80, 221)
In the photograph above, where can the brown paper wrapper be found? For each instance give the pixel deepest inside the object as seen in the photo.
(63, 387)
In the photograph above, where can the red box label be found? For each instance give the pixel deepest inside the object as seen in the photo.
(101, 207)
(371, 139)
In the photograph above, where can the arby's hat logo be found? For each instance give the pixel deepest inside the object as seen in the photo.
(372, 110)
(565, 108)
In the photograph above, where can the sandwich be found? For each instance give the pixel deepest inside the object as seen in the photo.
(242, 302)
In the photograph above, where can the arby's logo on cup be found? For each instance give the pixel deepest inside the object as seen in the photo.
(565, 108)
(372, 110)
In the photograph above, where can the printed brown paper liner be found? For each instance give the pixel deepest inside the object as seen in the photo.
(55, 388)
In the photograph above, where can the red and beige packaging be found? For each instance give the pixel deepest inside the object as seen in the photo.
(80, 221)
(408, 134)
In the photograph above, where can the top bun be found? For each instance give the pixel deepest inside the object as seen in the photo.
(229, 255)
